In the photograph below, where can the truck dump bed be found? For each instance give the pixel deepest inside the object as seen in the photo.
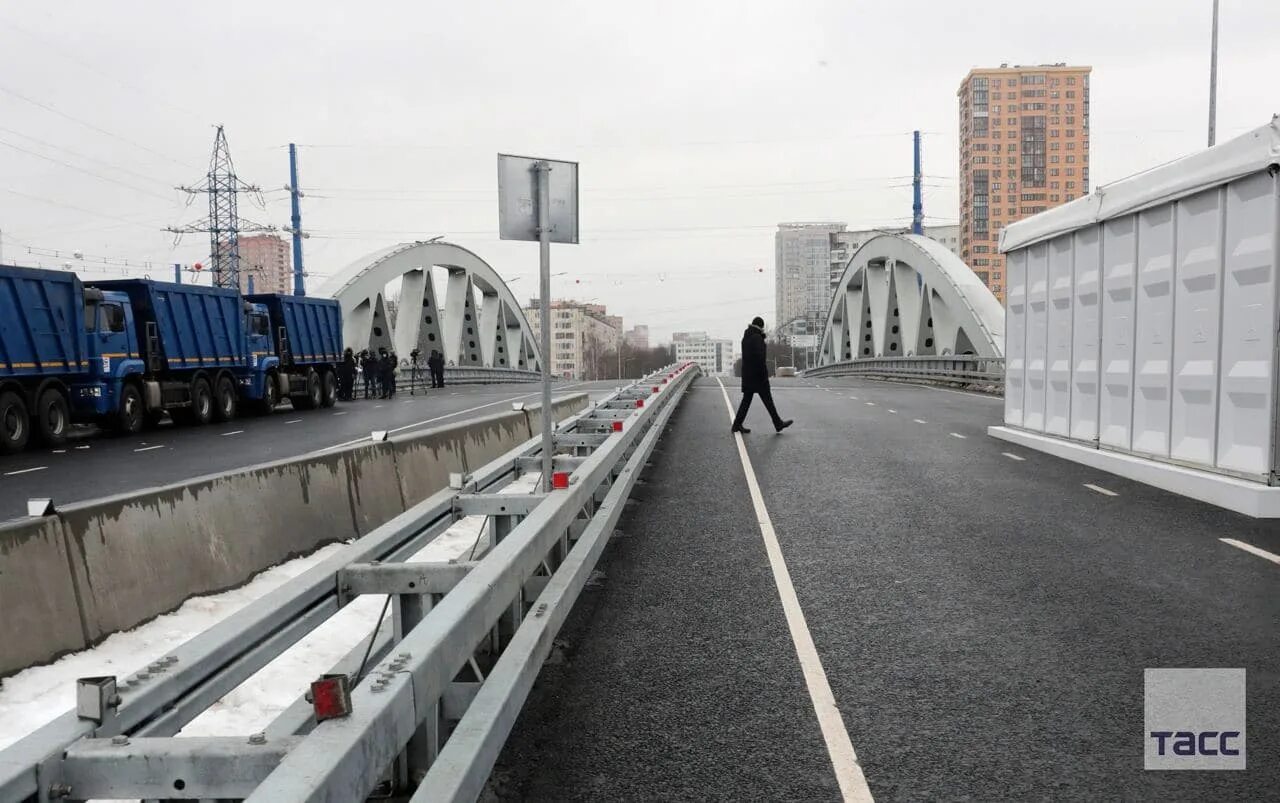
(312, 326)
(197, 327)
(41, 322)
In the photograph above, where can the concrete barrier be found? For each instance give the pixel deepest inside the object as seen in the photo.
(67, 581)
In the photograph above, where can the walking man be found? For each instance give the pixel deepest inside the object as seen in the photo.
(755, 378)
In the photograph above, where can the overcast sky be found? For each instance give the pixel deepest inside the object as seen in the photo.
(699, 125)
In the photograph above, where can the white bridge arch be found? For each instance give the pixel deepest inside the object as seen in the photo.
(492, 333)
(905, 295)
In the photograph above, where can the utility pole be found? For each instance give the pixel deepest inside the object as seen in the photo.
(223, 223)
(917, 200)
(295, 220)
(1213, 79)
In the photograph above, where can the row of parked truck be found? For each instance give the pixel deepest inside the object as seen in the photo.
(124, 353)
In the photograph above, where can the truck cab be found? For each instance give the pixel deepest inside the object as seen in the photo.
(263, 360)
(112, 353)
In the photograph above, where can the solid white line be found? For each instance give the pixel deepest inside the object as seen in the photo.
(149, 448)
(233, 432)
(919, 420)
(853, 784)
(855, 398)
(59, 451)
(1013, 456)
(1100, 489)
(958, 435)
(377, 406)
(84, 447)
(24, 471)
(1262, 553)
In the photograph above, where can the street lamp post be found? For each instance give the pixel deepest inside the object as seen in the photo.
(1213, 79)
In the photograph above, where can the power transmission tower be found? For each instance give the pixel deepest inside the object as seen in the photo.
(223, 223)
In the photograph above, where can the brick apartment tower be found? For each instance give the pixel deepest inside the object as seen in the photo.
(1024, 147)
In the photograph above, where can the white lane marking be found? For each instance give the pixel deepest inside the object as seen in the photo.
(1013, 456)
(406, 401)
(448, 415)
(24, 471)
(294, 421)
(149, 448)
(59, 451)
(1262, 553)
(892, 410)
(919, 420)
(1100, 489)
(870, 404)
(341, 412)
(958, 435)
(854, 398)
(233, 432)
(84, 447)
(853, 784)
(377, 406)
(971, 395)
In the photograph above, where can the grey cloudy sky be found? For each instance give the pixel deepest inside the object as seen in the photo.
(699, 125)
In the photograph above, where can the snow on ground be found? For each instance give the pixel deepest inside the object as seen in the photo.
(37, 695)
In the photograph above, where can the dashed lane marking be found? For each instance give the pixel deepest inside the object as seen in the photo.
(1100, 489)
(854, 398)
(1013, 456)
(958, 435)
(294, 421)
(233, 432)
(149, 448)
(341, 412)
(1251, 549)
(919, 421)
(24, 471)
(870, 404)
(892, 410)
(59, 451)
(853, 784)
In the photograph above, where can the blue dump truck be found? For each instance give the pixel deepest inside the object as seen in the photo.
(123, 353)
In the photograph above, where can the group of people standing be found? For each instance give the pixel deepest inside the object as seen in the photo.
(379, 371)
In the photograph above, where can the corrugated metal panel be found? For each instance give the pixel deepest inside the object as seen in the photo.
(1037, 336)
(41, 322)
(1058, 390)
(1153, 343)
(1086, 351)
(1119, 257)
(1197, 304)
(1015, 351)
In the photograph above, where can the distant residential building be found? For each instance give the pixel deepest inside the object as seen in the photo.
(265, 258)
(638, 337)
(677, 337)
(845, 244)
(1024, 148)
(582, 335)
(802, 275)
(714, 355)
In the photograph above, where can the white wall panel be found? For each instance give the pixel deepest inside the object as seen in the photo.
(1037, 335)
(1247, 403)
(1015, 338)
(1197, 301)
(1153, 343)
(1119, 256)
(1085, 330)
(1058, 390)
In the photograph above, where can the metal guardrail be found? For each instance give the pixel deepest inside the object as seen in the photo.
(445, 683)
(418, 377)
(986, 372)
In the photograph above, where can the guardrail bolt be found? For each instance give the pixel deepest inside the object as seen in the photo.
(258, 738)
(120, 741)
(59, 790)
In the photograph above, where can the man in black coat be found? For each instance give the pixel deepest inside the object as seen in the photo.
(755, 378)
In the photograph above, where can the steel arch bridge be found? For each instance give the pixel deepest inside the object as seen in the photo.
(490, 334)
(905, 295)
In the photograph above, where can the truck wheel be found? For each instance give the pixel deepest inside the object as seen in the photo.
(270, 395)
(129, 417)
(53, 417)
(15, 428)
(201, 402)
(313, 396)
(225, 397)
(329, 390)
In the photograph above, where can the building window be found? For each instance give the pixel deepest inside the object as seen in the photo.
(1053, 146)
(1013, 121)
(1055, 198)
(1071, 93)
(1071, 79)
(1053, 159)
(1071, 157)
(1012, 82)
(1071, 121)
(1071, 185)
(1071, 171)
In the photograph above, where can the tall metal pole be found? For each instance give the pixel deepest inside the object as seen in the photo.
(1213, 79)
(295, 220)
(543, 171)
(917, 201)
(177, 273)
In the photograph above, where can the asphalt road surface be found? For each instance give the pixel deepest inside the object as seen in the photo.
(983, 614)
(88, 468)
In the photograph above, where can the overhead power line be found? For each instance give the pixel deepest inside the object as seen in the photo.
(78, 155)
(86, 171)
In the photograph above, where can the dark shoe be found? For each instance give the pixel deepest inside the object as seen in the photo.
(743, 430)
(785, 424)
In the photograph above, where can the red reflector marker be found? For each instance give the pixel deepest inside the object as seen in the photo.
(655, 388)
(331, 697)
(617, 426)
(639, 402)
(560, 479)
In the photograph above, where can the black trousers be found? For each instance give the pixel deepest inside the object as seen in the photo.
(766, 396)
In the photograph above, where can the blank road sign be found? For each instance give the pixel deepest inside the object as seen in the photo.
(518, 193)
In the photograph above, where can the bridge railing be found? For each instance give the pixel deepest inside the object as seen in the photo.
(447, 673)
(411, 376)
(966, 369)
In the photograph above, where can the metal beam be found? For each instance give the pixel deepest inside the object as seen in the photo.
(400, 578)
(496, 504)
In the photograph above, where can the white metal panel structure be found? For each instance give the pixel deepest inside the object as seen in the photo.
(492, 334)
(1143, 318)
(904, 295)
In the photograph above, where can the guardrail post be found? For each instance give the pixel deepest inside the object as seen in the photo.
(509, 623)
(424, 745)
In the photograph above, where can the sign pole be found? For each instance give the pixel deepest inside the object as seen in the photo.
(543, 173)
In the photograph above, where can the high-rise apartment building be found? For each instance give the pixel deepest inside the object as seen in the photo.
(1024, 147)
(638, 337)
(265, 259)
(584, 337)
(802, 276)
(846, 243)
